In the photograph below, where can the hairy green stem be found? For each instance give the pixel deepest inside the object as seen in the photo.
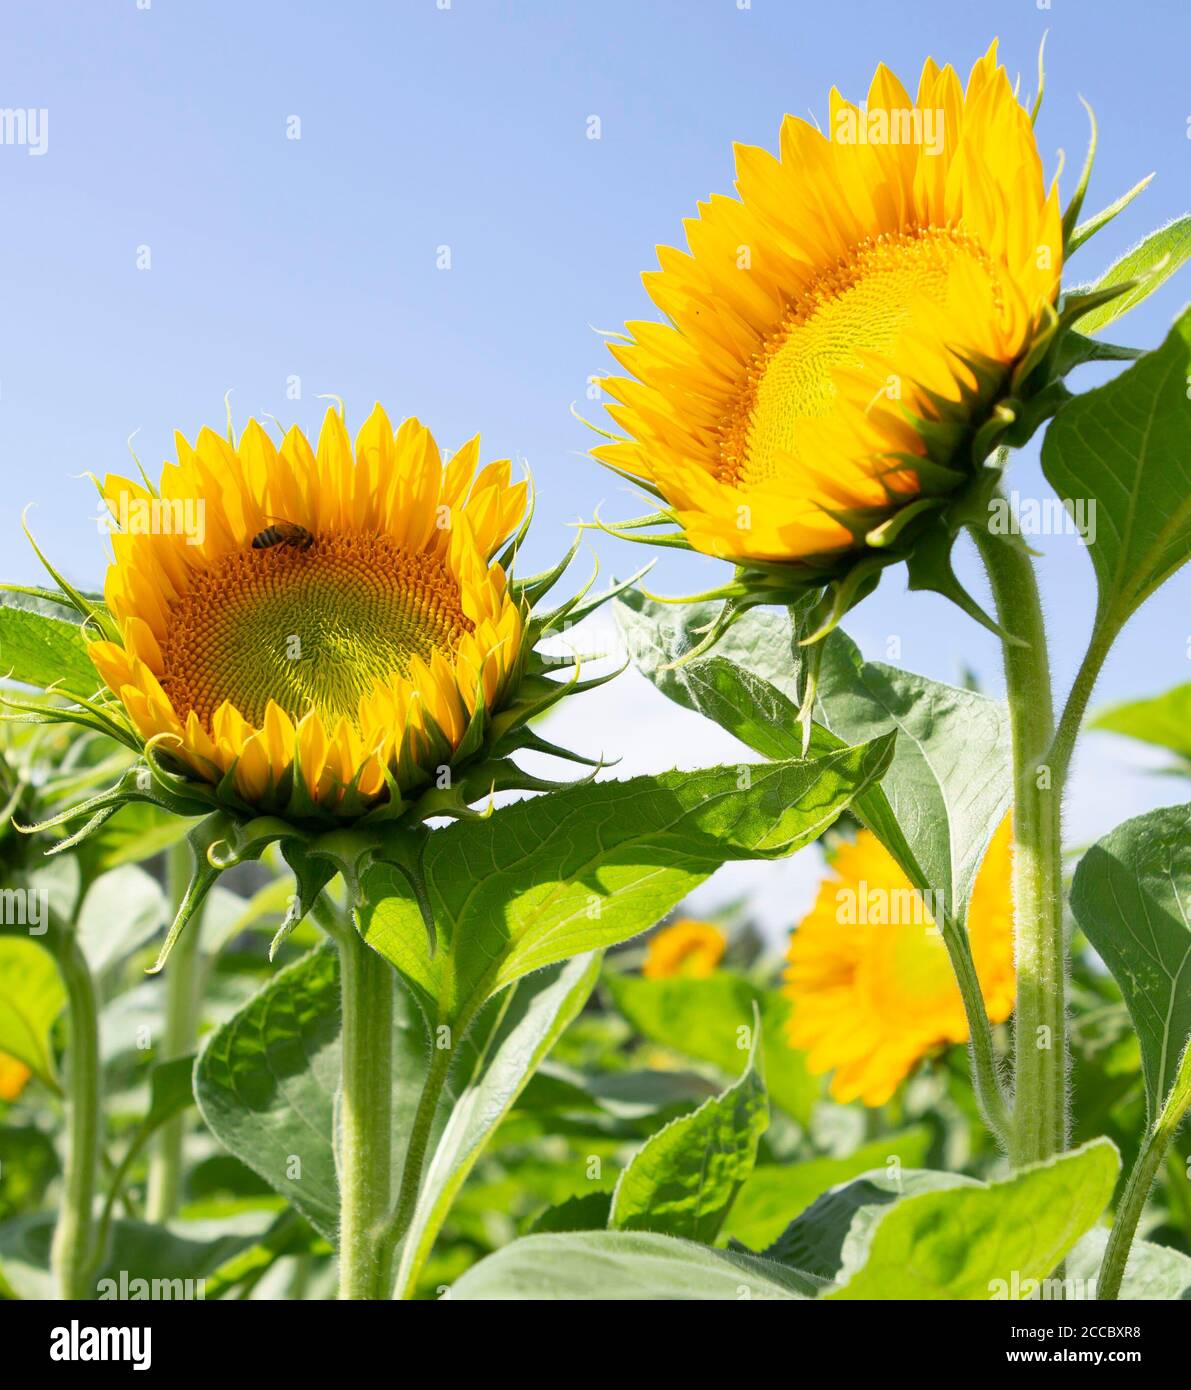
(982, 1054)
(1039, 1127)
(398, 1222)
(180, 1035)
(1141, 1179)
(365, 1117)
(1071, 720)
(73, 1255)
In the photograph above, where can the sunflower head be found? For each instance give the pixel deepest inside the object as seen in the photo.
(847, 340)
(300, 639)
(868, 973)
(687, 948)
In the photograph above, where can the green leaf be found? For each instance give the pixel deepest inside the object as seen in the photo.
(170, 1094)
(624, 1095)
(1163, 720)
(32, 996)
(823, 1238)
(1152, 261)
(288, 1235)
(624, 1265)
(171, 1090)
(683, 1180)
(39, 647)
(170, 1260)
(703, 1019)
(1123, 447)
(949, 784)
(1153, 1271)
(504, 1048)
(121, 911)
(266, 1082)
(764, 641)
(978, 1242)
(775, 1194)
(1131, 896)
(585, 868)
(589, 1212)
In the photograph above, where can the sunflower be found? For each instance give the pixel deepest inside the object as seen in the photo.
(327, 629)
(686, 948)
(843, 338)
(869, 977)
(301, 641)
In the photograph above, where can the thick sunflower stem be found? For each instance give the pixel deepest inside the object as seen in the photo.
(182, 995)
(1141, 1179)
(73, 1255)
(1039, 1125)
(365, 1117)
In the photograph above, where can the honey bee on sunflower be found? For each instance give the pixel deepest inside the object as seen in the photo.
(846, 343)
(339, 644)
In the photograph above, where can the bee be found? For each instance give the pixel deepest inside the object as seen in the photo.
(283, 533)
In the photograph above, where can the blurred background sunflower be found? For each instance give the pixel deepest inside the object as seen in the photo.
(868, 976)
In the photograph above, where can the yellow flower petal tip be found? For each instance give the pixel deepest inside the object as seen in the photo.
(868, 974)
(843, 327)
(687, 948)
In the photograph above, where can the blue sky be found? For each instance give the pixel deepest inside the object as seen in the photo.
(467, 127)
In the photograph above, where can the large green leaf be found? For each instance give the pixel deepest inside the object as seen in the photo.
(40, 644)
(266, 1083)
(983, 1241)
(1164, 720)
(1152, 261)
(556, 876)
(121, 911)
(775, 1194)
(949, 784)
(1131, 896)
(825, 1236)
(505, 1046)
(1153, 1271)
(622, 1265)
(683, 1180)
(1126, 448)
(703, 1019)
(31, 998)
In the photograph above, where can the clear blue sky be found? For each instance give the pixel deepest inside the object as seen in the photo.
(467, 127)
